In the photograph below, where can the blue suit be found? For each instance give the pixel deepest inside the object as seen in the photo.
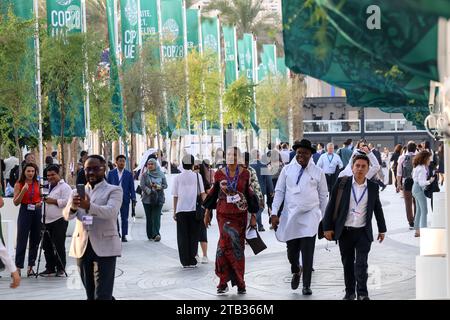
(127, 184)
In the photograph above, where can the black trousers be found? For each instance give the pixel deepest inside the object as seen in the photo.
(306, 246)
(188, 232)
(56, 234)
(97, 274)
(355, 246)
(28, 224)
(331, 180)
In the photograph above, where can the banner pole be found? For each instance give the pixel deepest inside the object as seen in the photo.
(38, 87)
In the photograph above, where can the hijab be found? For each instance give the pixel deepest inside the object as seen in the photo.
(157, 173)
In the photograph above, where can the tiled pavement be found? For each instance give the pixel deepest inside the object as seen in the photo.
(151, 270)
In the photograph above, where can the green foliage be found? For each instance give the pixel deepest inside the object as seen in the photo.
(17, 95)
(238, 102)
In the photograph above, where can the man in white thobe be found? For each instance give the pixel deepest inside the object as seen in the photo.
(302, 187)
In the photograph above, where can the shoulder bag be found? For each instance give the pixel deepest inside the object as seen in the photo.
(199, 211)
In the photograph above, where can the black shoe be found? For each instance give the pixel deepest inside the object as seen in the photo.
(306, 291)
(47, 273)
(261, 229)
(60, 273)
(363, 298)
(351, 296)
(295, 280)
(241, 291)
(124, 239)
(221, 290)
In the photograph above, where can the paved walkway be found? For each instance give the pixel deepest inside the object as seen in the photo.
(151, 270)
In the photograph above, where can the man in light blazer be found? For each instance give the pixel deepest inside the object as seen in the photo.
(95, 241)
(123, 178)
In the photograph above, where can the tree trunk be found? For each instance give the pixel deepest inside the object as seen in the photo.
(18, 149)
(298, 94)
(61, 142)
(133, 151)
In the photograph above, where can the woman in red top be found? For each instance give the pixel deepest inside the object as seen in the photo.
(26, 193)
(228, 197)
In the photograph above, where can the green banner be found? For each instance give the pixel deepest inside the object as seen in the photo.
(130, 31)
(192, 24)
(149, 19)
(210, 36)
(269, 58)
(21, 8)
(281, 67)
(249, 56)
(65, 16)
(386, 67)
(172, 29)
(241, 58)
(231, 73)
(116, 100)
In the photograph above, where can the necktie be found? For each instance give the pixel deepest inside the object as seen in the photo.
(299, 175)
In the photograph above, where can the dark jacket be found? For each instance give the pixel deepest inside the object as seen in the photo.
(264, 178)
(373, 207)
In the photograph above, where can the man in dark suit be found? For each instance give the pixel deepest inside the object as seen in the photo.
(124, 178)
(353, 225)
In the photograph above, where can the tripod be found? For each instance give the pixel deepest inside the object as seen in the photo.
(44, 232)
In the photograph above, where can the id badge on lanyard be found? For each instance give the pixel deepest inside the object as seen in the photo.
(233, 199)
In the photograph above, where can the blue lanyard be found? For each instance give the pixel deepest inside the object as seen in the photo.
(332, 156)
(300, 175)
(362, 195)
(232, 185)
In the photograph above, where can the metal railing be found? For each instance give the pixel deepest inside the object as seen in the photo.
(354, 126)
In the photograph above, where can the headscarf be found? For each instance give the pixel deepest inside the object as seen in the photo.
(157, 173)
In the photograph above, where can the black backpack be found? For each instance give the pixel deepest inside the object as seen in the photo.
(14, 175)
(407, 167)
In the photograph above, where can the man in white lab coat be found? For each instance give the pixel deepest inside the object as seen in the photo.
(302, 187)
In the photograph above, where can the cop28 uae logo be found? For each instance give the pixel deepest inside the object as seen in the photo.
(171, 30)
(211, 43)
(131, 12)
(64, 2)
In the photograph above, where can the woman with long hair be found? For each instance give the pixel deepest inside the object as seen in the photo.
(27, 195)
(421, 162)
(153, 182)
(229, 196)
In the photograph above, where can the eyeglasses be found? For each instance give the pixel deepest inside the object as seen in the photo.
(93, 169)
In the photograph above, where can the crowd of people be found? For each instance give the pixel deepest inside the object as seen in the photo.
(309, 190)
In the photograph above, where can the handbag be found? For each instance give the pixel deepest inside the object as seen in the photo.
(199, 211)
(431, 188)
(256, 243)
(139, 190)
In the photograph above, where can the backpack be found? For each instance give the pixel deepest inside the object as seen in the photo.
(407, 167)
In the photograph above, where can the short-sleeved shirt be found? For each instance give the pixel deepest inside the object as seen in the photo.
(32, 196)
(186, 190)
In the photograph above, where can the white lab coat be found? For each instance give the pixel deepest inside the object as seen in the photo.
(304, 204)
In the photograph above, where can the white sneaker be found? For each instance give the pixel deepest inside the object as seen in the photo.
(205, 260)
(197, 258)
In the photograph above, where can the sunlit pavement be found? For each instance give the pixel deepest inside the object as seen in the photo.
(151, 270)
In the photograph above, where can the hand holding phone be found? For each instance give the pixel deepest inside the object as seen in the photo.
(81, 191)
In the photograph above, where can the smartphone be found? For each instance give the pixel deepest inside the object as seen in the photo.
(81, 191)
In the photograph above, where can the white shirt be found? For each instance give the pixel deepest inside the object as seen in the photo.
(357, 212)
(61, 193)
(9, 164)
(328, 163)
(420, 175)
(6, 259)
(304, 204)
(373, 168)
(285, 154)
(186, 190)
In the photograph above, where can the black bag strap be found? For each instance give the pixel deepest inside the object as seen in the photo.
(1, 232)
(339, 196)
(198, 184)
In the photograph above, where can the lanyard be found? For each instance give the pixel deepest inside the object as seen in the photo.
(354, 195)
(300, 175)
(121, 177)
(332, 156)
(232, 185)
